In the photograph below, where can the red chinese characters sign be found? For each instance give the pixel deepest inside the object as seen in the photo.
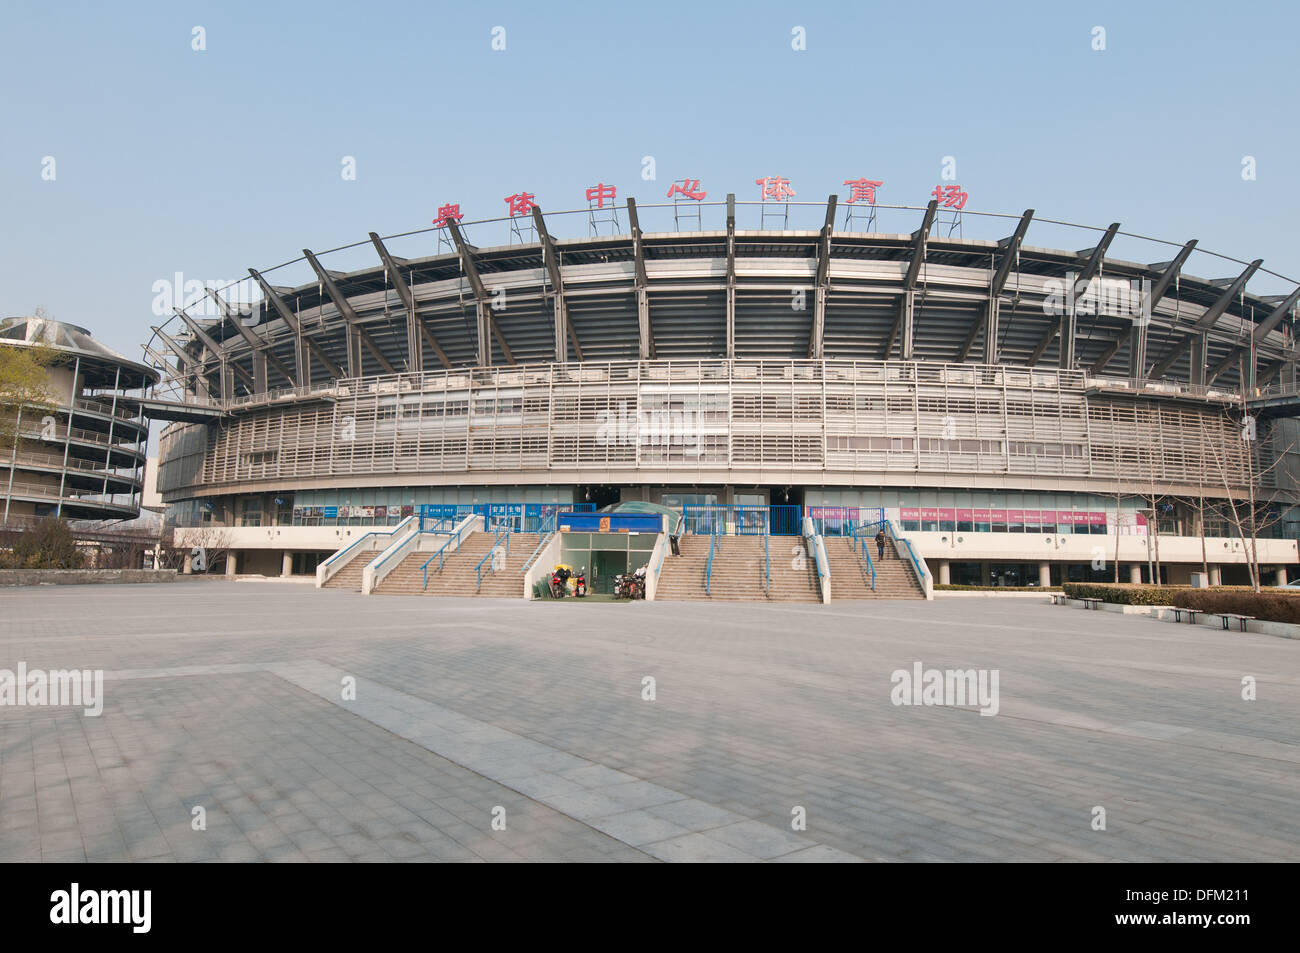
(521, 203)
(689, 188)
(599, 192)
(775, 188)
(864, 190)
(949, 196)
(448, 213)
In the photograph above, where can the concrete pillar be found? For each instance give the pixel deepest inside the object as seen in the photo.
(286, 564)
(986, 578)
(1216, 578)
(1135, 573)
(945, 578)
(1281, 576)
(1044, 574)
(232, 563)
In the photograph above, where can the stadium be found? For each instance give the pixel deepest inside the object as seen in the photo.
(1011, 411)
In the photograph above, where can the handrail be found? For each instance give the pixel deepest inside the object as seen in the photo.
(708, 569)
(365, 536)
(544, 533)
(863, 553)
(478, 569)
(455, 538)
(767, 558)
(810, 535)
(920, 573)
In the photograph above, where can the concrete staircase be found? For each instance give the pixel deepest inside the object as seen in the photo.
(850, 578)
(349, 577)
(457, 577)
(738, 571)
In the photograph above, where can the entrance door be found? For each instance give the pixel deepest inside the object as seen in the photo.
(598, 496)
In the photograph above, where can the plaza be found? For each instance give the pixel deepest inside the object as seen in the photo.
(319, 725)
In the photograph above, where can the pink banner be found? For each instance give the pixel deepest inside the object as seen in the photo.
(965, 516)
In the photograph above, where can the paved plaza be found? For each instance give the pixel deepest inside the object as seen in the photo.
(320, 725)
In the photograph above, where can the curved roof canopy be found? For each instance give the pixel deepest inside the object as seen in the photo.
(99, 363)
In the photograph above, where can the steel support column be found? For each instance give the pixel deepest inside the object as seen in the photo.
(821, 288)
(731, 276)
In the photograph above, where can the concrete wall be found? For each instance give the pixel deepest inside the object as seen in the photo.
(1035, 547)
(319, 538)
(81, 577)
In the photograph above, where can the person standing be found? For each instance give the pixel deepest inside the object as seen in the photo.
(880, 544)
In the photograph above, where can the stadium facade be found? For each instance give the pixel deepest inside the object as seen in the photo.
(79, 450)
(1020, 413)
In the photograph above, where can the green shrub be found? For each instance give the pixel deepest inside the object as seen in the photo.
(1270, 605)
(1123, 594)
(1267, 606)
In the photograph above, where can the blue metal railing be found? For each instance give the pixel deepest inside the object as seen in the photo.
(516, 517)
(708, 569)
(859, 544)
(365, 536)
(916, 563)
(545, 530)
(441, 553)
(841, 520)
(782, 520)
(767, 560)
(478, 570)
(419, 532)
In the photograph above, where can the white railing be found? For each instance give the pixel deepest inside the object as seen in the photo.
(656, 564)
(332, 566)
(392, 557)
(907, 553)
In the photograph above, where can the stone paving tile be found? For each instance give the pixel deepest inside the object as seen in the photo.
(759, 709)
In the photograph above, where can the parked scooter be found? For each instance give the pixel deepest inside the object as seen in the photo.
(580, 583)
(560, 581)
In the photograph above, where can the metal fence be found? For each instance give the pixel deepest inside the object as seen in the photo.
(840, 520)
(702, 519)
(501, 517)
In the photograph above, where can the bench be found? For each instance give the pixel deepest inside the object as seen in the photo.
(1091, 602)
(1227, 617)
(1059, 598)
(1178, 613)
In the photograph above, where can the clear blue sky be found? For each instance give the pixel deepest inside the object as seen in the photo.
(210, 162)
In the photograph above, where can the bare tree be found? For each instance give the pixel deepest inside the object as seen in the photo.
(211, 544)
(1242, 477)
